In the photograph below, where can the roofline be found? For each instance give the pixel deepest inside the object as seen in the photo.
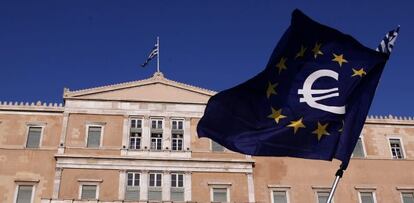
(158, 77)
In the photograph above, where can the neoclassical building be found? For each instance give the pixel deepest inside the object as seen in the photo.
(137, 142)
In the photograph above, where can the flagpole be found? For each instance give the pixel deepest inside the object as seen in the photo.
(158, 54)
(338, 175)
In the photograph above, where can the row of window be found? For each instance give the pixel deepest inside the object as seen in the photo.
(94, 138)
(281, 196)
(25, 193)
(95, 133)
(395, 144)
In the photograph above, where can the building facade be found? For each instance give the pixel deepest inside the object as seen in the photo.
(137, 142)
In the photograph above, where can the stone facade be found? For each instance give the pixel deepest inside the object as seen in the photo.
(87, 147)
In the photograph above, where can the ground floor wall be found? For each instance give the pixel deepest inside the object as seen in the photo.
(303, 179)
(35, 168)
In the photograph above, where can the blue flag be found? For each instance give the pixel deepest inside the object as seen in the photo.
(310, 101)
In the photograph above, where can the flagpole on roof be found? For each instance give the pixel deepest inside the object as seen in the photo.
(158, 54)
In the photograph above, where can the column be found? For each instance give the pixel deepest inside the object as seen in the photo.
(56, 183)
(250, 187)
(122, 184)
(146, 133)
(143, 186)
(63, 132)
(166, 183)
(187, 134)
(166, 134)
(187, 186)
(125, 136)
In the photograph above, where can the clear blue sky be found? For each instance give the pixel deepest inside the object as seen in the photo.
(48, 45)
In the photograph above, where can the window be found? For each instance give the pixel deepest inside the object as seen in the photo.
(216, 147)
(94, 136)
(396, 148)
(156, 124)
(156, 134)
(24, 194)
(177, 187)
(156, 141)
(177, 142)
(89, 192)
(220, 195)
(407, 197)
(322, 197)
(177, 133)
(136, 123)
(177, 124)
(366, 197)
(358, 150)
(33, 137)
(155, 190)
(279, 196)
(132, 189)
(135, 134)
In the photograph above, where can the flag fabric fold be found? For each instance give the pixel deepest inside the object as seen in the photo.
(153, 54)
(310, 101)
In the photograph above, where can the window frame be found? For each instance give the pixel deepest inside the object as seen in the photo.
(89, 184)
(25, 183)
(366, 191)
(272, 190)
(102, 126)
(220, 187)
(157, 119)
(317, 192)
(407, 192)
(363, 148)
(137, 188)
(42, 126)
(389, 138)
(140, 132)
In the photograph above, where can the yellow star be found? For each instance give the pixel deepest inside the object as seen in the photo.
(340, 59)
(277, 115)
(317, 50)
(296, 125)
(301, 53)
(321, 130)
(359, 72)
(271, 89)
(342, 128)
(281, 65)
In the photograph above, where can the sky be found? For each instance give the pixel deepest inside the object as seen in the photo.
(48, 45)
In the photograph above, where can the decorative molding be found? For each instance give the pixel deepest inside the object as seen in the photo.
(157, 78)
(90, 180)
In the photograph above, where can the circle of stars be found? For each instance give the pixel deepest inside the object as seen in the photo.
(321, 129)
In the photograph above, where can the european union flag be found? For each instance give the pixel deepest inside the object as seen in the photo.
(311, 100)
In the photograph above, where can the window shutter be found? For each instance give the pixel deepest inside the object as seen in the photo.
(216, 147)
(94, 137)
(24, 194)
(177, 194)
(154, 194)
(366, 197)
(279, 197)
(220, 194)
(88, 192)
(33, 138)
(322, 197)
(358, 150)
(132, 193)
(408, 197)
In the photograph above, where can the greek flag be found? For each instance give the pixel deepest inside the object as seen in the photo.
(153, 53)
(387, 43)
